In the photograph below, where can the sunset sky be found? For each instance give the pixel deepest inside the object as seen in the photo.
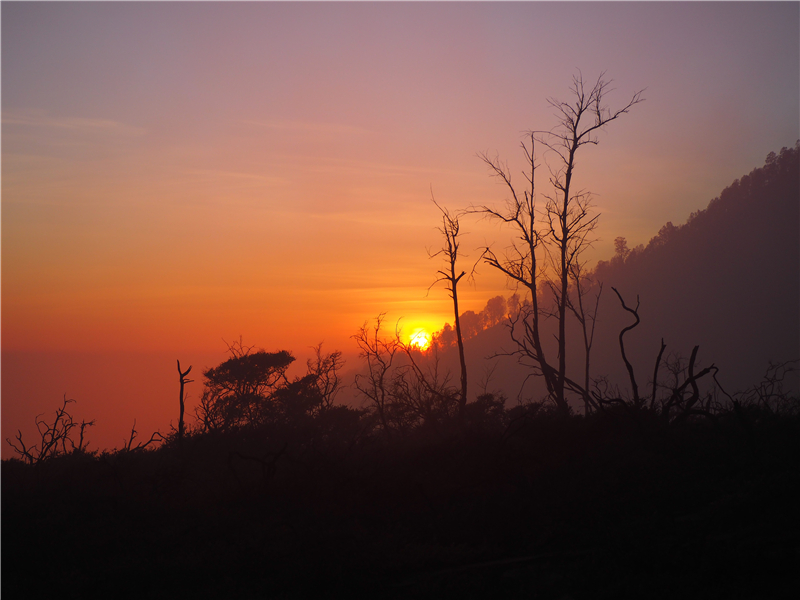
(178, 173)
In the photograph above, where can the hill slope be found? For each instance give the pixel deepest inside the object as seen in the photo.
(728, 280)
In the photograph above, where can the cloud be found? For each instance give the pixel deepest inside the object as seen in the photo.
(40, 119)
(344, 165)
(310, 127)
(220, 176)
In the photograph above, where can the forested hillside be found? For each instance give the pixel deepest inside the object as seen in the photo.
(728, 281)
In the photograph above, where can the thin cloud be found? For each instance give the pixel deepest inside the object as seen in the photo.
(220, 175)
(310, 127)
(40, 119)
(334, 164)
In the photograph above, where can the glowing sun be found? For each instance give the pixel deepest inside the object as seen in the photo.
(421, 339)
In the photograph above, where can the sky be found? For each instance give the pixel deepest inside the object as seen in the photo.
(175, 175)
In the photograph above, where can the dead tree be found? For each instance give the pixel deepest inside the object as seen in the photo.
(379, 355)
(424, 393)
(635, 312)
(127, 445)
(587, 318)
(655, 373)
(55, 439)
(683, 398)
(450, 229)
(325, 371)
(522, 262)
(562, 234)
(184, 381)
(569, 220)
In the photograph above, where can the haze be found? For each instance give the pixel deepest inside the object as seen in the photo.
(178, 173)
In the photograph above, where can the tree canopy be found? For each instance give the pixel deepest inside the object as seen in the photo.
(239, 391)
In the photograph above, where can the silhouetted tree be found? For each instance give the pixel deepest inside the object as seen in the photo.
(621, 248)
(239, 391)
(296, 400)
(444, 338)
(771, 395)
(379, 355)
(55, 439)
(450, 229)
(494, 312)
(403, 385)
(127, 445)
(183, 380)
(471, 324)
(628, 366)
(312, 394)
(586, 314)
(422, 393)
(563, 233)
(324, 372)
(683, 398)
(422, 397)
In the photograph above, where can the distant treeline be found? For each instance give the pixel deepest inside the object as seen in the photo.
(750, 205)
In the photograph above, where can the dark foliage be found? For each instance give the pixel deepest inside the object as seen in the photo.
(239, 391)
(522, 503)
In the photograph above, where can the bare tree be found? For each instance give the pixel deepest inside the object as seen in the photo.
(324, 369)
(521, 263)
(184, 381)
(568, 217)
(586, 314)
(379, 354)
(554, 234)
(55, 439)
(127, 445)
(637, 402)
(451, 229)
(683, 397)
(423, 393)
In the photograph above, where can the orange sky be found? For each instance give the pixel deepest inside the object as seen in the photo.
(174, 174)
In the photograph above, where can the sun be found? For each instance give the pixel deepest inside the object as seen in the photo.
(421, 339)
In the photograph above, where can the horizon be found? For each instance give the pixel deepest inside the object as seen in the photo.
(176, 175)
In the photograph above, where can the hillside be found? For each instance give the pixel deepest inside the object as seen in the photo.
(727, 280)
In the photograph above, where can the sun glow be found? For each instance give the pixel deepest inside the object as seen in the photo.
(421, 339)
